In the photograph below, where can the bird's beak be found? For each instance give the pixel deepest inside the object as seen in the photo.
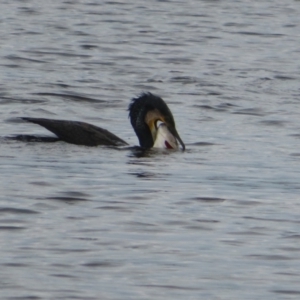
(166, 136)
(162, 134)
(176, 135)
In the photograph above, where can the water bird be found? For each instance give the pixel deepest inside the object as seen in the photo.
(150, 118)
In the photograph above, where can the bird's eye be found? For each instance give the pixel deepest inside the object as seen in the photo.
(158, 123)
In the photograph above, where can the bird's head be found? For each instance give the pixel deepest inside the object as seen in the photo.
(153, 122)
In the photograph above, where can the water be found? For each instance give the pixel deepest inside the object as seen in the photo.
(219, 221)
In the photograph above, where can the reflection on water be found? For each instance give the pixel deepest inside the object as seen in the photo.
(218, 221)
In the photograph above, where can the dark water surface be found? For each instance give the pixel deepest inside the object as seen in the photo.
(219, 221)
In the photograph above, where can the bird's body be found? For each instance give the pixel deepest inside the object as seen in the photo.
(150, 117)
(79, 133)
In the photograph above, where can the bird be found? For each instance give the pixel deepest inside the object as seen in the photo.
(150, 118)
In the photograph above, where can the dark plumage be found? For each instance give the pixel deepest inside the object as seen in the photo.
(79, 133)
(138, 109)
(144, 113)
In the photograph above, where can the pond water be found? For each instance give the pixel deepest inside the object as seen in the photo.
(218, 221)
